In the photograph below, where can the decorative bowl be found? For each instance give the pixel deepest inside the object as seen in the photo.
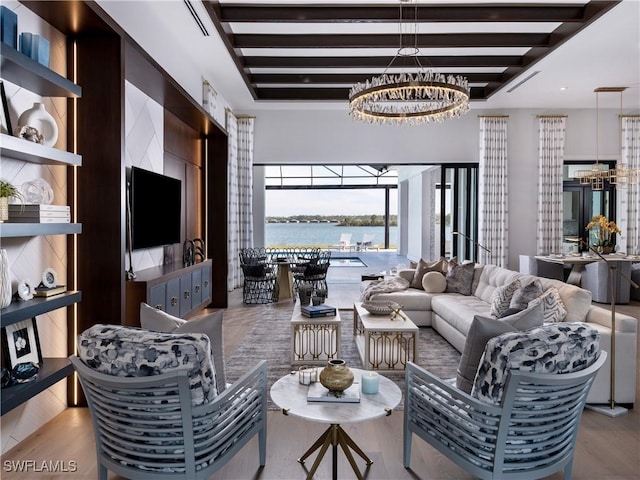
(380, 307)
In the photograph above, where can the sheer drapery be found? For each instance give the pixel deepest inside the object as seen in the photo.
(493, 212)
(629, 216)
(240, 188)
(551, 133)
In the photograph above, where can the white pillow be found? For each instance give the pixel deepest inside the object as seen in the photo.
(434, 282)
(552, 306)
(209, 323)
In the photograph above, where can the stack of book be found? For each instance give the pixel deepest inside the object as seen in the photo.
(41, 291)
(39, 213)
(314, 311)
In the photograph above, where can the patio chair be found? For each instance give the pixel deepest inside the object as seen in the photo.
(344, 243)
(314, 272)
(522, 417)
(366, 243)
(260, 276)
(155, 408)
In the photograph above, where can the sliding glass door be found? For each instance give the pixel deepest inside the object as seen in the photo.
(456, 212)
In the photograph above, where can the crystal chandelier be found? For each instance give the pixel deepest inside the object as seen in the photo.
(409, 98)
(596, 176)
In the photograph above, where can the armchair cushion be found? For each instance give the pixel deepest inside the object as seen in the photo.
(210, 324)
(551, 348)
(134, 352)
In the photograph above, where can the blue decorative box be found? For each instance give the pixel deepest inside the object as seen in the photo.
(36, 47)
(9, 27)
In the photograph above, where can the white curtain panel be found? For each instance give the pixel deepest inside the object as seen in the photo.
(245, 181)
(551, 133)
(629, 216)
(492, 190)
(234, 273)
(240, 188)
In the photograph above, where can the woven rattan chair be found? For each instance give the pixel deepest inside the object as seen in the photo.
(313, 271)
(260, 276)
(166, 425)
(529, 434)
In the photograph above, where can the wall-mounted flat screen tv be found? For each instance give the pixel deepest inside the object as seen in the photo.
(156, 202)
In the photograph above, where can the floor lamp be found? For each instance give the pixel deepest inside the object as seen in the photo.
(476, 243)
(612, 410)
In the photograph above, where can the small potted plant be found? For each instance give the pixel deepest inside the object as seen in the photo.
(7, 191)
(602, 231)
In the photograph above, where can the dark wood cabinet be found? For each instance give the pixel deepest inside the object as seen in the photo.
(179, 291)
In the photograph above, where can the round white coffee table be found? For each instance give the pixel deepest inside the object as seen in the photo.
(291, 396)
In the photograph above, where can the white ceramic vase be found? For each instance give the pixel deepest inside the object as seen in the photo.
(38, 118)
(5, 279)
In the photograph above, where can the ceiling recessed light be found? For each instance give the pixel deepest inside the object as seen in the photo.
(564, 88)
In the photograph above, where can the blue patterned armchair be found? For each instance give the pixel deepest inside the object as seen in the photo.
(522, 416)
(155, 406)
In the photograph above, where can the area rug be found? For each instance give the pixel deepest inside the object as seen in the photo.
(270, 340)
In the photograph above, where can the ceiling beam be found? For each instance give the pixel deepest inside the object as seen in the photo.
(390, 14)
(306, 94)
(433, 40)
(486, 61)
(336, 78)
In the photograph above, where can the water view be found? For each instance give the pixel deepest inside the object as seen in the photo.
(323, 234)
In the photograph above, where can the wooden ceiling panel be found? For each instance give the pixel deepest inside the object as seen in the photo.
(266, 78)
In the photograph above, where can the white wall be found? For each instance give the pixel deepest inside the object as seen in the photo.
(317, 137)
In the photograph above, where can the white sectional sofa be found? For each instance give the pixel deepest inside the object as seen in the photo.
(451, 314)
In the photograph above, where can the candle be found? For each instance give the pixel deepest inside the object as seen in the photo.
(369, 382)
(307, 375)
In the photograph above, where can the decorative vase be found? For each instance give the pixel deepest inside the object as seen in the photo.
(38, 118)
(336, 376)
(5, 279)
(4, 209)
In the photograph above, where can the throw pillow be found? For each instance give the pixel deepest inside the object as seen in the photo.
(434, 282)
(501, 298)
(460, 278)
(210, 324)
(552, 306)
(484, 328)
(423, 267)
(525, 294)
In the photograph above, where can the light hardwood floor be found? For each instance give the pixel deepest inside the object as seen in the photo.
(608, 448)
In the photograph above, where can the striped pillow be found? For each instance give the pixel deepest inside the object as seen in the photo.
(501, 298)
(552, 307)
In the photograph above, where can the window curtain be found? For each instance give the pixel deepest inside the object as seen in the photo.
(551, 133)
(493, 214)
(240, 188)
(629, 215)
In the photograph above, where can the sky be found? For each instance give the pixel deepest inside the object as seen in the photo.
(285, 203)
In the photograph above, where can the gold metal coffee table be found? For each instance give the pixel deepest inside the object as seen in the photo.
(291, 396)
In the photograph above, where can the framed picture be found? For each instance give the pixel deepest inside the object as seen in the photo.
(5, 121)
(21, 343)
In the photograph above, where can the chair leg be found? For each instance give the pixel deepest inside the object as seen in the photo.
(406, 449)
(568, 470)
(262, 445)
(102, 471)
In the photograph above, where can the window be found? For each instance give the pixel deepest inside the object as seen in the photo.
(581, 202)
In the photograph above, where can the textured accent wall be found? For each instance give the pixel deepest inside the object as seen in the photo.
(144, 130)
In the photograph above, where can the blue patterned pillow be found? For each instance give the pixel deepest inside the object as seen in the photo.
(134, 352)
(551, 348)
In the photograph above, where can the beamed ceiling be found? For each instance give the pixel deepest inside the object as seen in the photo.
(306, 52)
